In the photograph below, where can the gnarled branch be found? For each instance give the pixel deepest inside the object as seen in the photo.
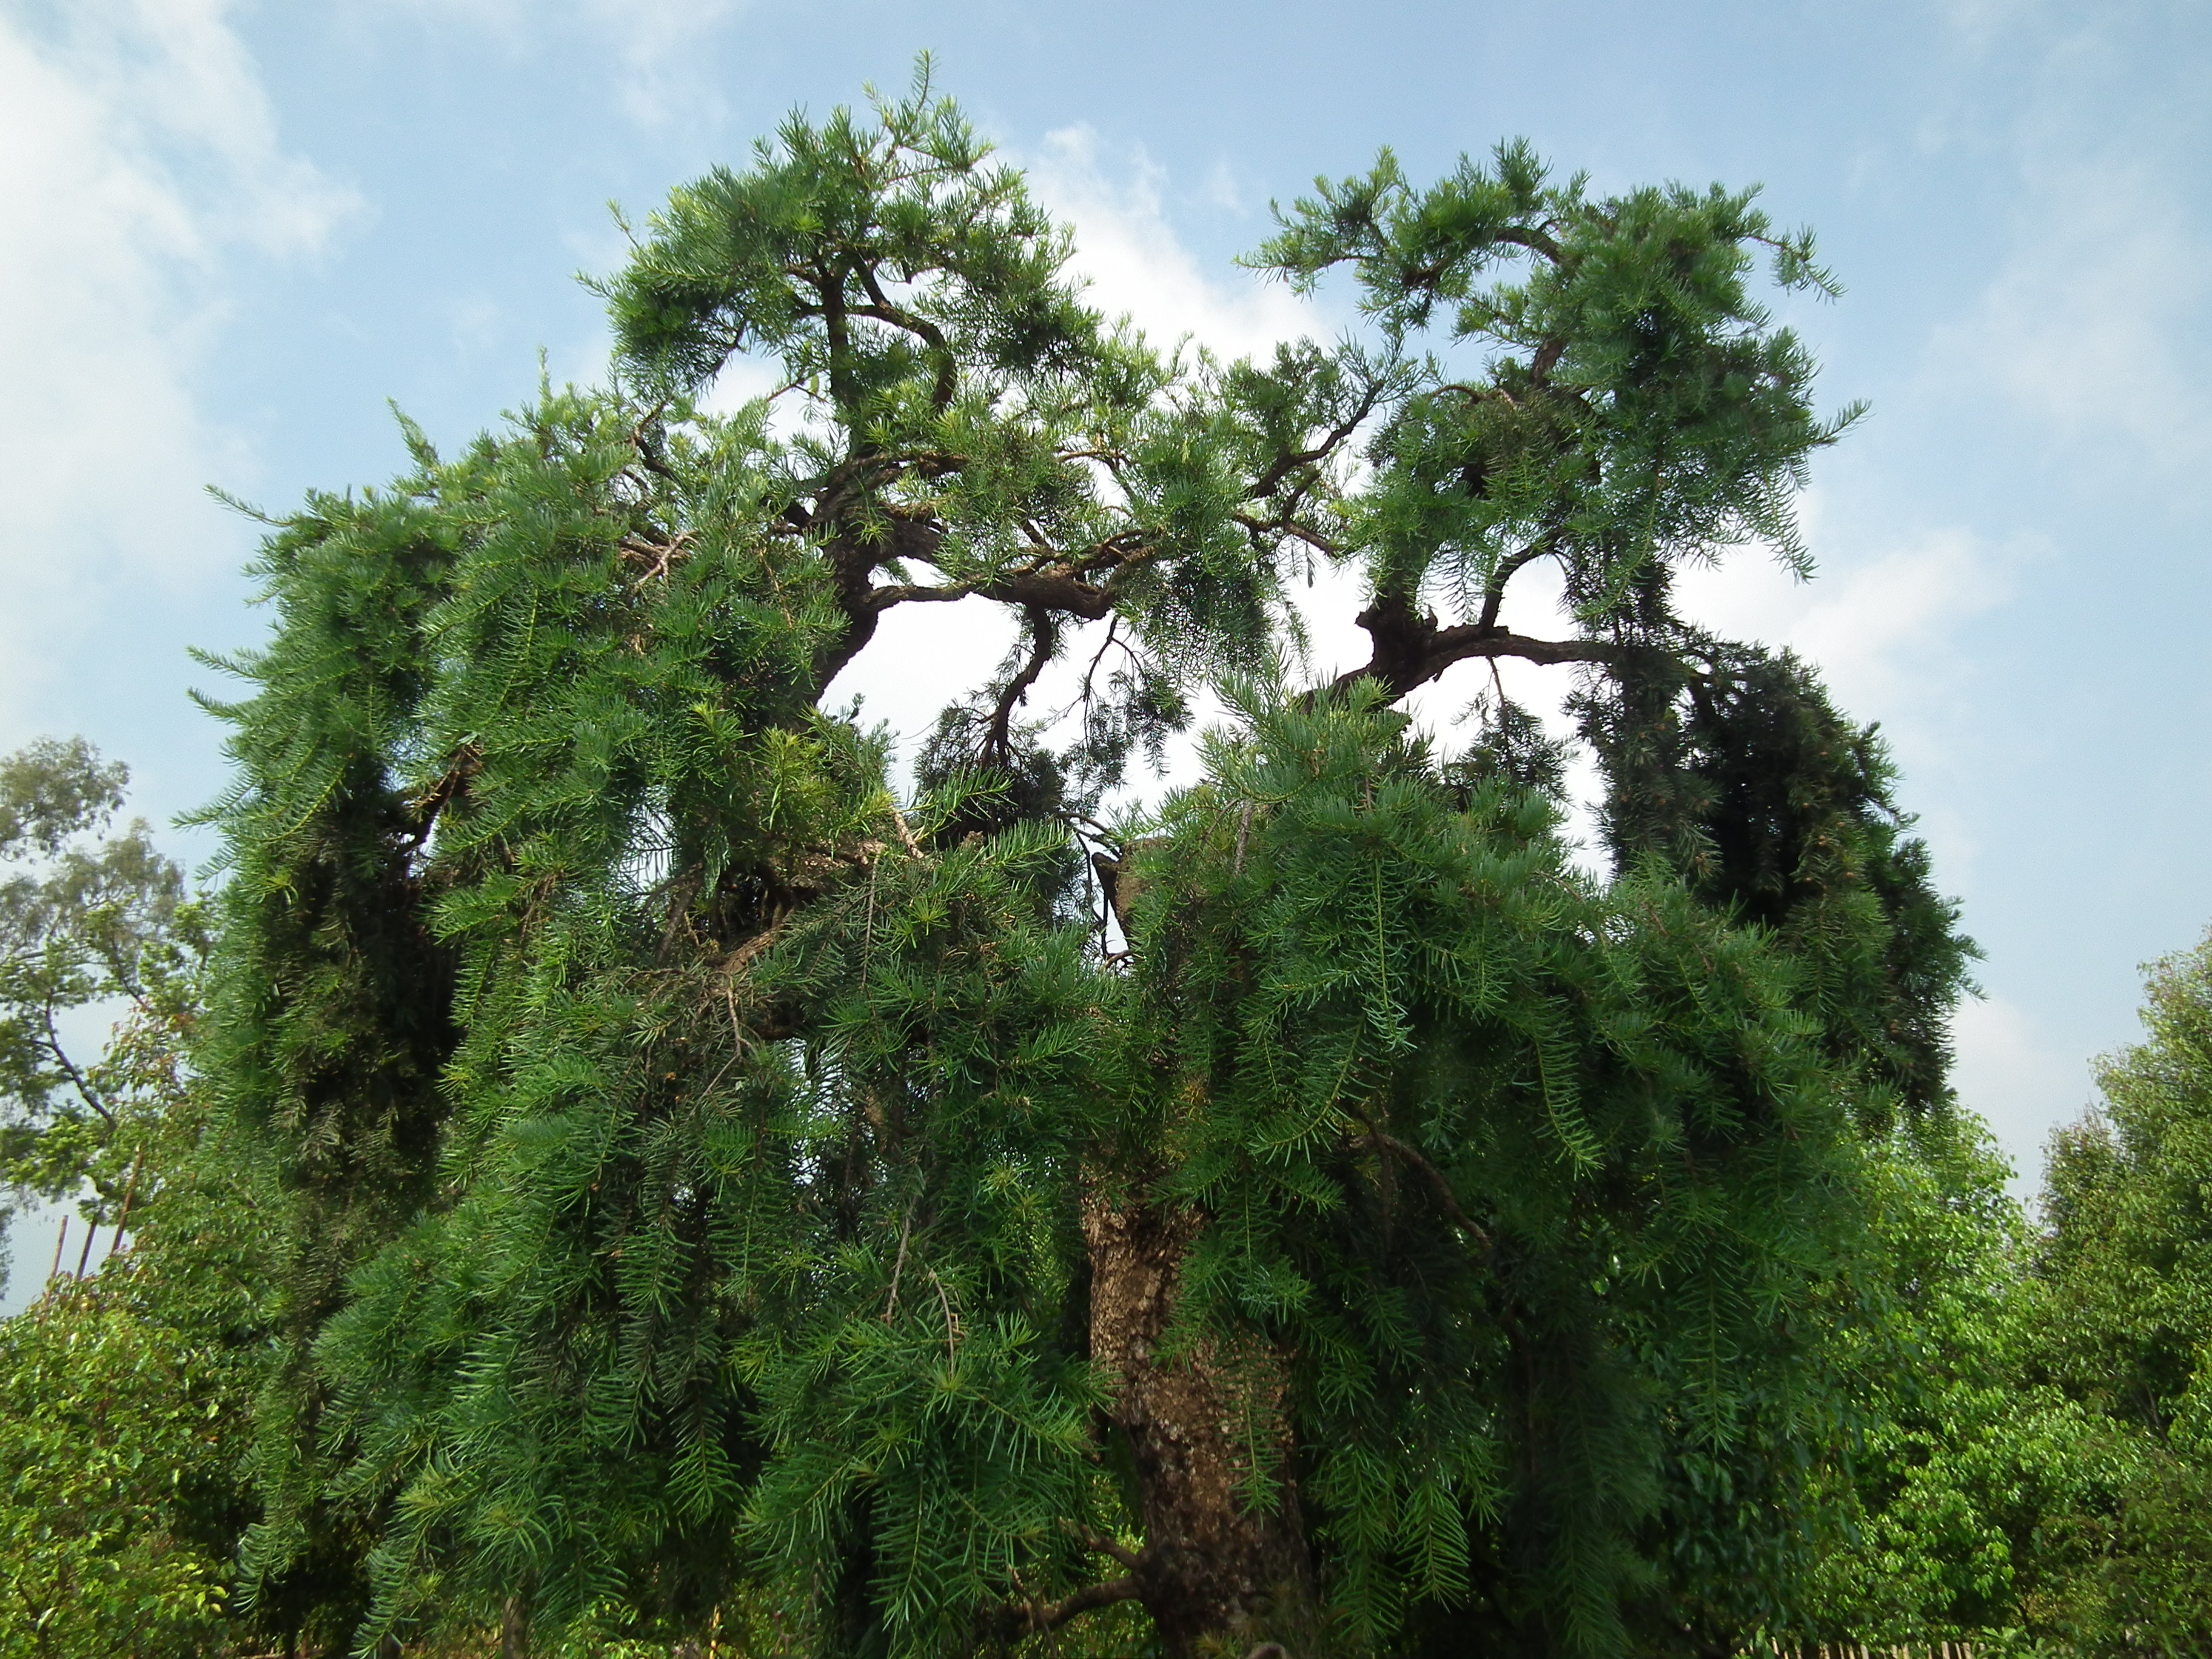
(1410, 650)
(1044, 636)
(1033, 1618)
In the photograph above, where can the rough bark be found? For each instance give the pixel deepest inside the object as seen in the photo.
(1213, 1568)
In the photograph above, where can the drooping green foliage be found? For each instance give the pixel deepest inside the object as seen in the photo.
(711, 1181)
(331, 1015)
(1744, 778)
(1519, 1169)
(669, 1180)
(1728, 767)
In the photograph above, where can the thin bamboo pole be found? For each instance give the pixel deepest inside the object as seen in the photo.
(55, 1266)
(130, 1190)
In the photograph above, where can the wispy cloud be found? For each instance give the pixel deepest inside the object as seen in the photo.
(653, 47)
(1128, 246)
(2017, 1079)
(2091, 327)
(1880, 621)
(2085, 329)
(140, 155)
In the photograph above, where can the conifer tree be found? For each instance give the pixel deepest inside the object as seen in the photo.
(1313, 1211)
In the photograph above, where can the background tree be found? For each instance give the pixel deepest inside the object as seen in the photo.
(2123, 1311)
(710, 1180)
(124, 1428)
(89, 925)
(2033, 1470)
(122, 1397)
(1937, 1522)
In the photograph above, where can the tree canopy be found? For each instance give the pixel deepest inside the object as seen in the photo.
(713, 1175)
(91, 923)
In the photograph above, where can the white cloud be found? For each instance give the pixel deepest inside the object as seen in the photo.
(1137, 265)
(2088, 328)
(654, 46)
(2018, 1082)
(656, 41)
(2091, 326)
(1879, 624)
(137, 152)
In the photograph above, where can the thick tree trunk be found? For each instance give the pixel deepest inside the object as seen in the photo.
(1212, 1566)
(514, 1628)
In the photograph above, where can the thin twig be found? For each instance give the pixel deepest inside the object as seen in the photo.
(53, 1270)
(952, 1322)
(891, 1302)
(1391, 1147)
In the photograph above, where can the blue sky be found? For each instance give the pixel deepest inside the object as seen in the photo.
(234, 231)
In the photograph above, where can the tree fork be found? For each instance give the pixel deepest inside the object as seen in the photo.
(1410, 649)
